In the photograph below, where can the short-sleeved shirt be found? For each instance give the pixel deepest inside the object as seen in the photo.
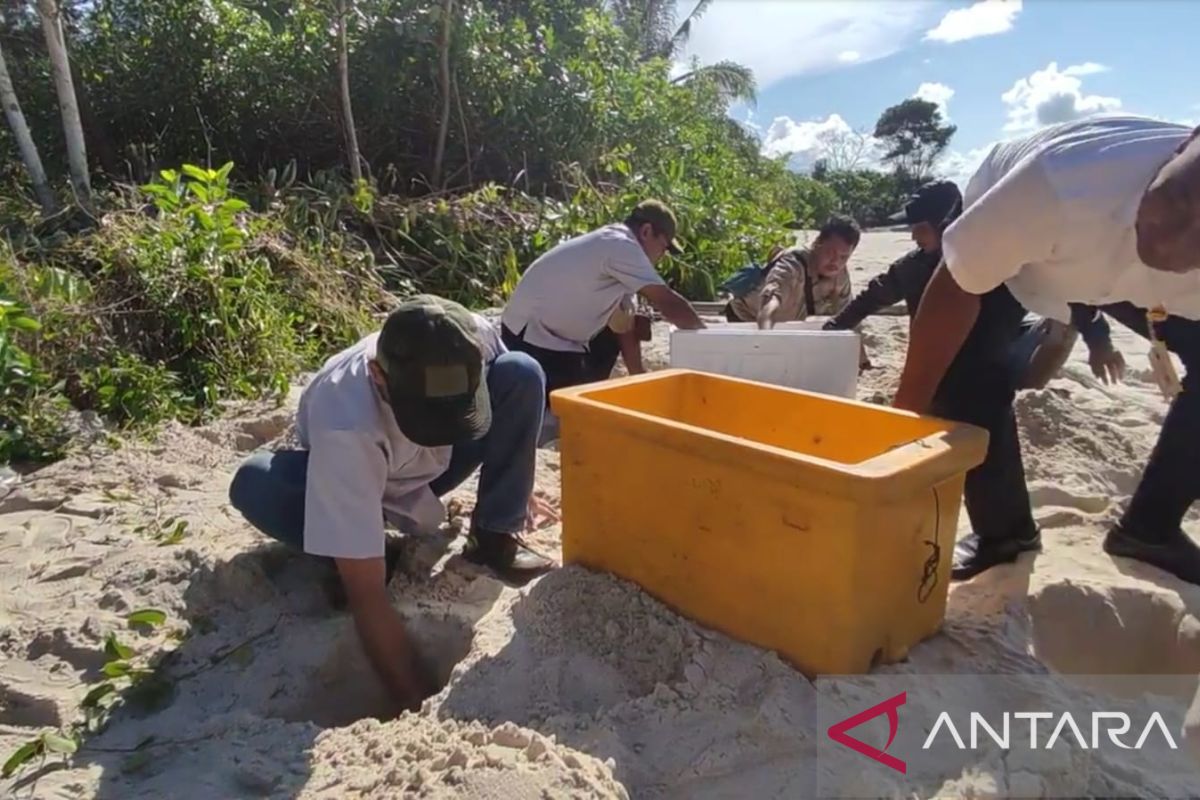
(1052, 215)
(785, 280)
(360, 466)
(569, 294)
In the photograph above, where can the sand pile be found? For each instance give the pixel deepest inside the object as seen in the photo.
(577, 685)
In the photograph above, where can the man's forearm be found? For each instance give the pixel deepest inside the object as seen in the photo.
(679, 312)
(944, 319)
(390, 651)
(1092, 325)
(766, 314)
(631, 352)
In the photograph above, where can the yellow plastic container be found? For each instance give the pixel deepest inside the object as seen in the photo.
(799, 522)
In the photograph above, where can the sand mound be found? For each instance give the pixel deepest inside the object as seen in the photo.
(577, 685)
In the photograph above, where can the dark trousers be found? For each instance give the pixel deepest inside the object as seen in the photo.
(980, 392)
(1171, 481)
(564, 369)
(978, 389)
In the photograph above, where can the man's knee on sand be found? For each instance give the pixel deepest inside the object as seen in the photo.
(249, 481)
(518, 379)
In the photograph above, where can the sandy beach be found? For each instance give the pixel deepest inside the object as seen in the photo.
(576, 685)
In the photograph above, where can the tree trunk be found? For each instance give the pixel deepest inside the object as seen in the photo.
(28, 150)
(60, 66)
(444, 80)
(344, 81)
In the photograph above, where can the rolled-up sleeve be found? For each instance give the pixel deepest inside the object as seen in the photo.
(628, 265)
(343, 498)
(1016, 222)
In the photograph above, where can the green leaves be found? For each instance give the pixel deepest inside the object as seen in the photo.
(46, 743)
(199, 174)
(55, 743)
(115, 650)
(151, 617)
(21, 755)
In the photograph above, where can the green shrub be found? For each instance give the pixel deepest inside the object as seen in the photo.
(164, 311)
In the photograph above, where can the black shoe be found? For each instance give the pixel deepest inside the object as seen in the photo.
(973, 555)
(1177, 554)
(505, 553)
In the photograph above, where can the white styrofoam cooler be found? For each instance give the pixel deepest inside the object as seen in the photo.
(798, 355)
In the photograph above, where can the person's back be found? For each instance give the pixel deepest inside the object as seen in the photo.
(570, 292)
(562, 308)
(1052, 214)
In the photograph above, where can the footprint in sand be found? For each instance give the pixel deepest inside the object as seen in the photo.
(1047, 495)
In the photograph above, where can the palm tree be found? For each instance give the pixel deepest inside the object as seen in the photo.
(652, 25)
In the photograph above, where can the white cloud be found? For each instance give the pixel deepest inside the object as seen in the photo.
(937, 93)
(781, 38)
(984, 18)
(959, 167)
(1051, 95)
(1086, 68)
(808, 140)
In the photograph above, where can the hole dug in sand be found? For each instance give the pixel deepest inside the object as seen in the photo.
(344, 687)
(1089, 632)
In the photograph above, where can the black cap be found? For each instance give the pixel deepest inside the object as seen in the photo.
(933, 203)
(431, 355)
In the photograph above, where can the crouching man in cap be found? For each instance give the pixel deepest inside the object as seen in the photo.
(388, 426)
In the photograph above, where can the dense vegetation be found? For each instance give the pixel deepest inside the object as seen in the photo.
(486, 130)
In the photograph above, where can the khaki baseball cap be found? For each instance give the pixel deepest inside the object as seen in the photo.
(660, 215)
(432, 357)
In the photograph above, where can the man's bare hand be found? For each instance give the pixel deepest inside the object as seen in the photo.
(382, 633)
(540, 514)
(1107, 363)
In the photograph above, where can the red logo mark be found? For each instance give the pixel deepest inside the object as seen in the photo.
(838, 732)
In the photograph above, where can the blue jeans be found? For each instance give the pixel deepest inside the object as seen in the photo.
(268, 488)
(1021, 353)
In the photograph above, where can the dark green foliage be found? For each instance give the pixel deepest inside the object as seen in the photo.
(192, 291)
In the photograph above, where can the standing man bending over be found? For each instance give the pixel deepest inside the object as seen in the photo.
(561, 310)
(388, 426)
(1105, 212)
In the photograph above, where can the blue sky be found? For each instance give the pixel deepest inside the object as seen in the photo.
(999, 67)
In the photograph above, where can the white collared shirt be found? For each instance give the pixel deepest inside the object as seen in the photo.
(360, 466)
(570, 292)
(1052, 215)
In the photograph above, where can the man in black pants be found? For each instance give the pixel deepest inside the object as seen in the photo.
(1104, 212)
(1042, 345)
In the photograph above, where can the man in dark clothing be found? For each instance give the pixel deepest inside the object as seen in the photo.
(1000, 355)
(1033, 357)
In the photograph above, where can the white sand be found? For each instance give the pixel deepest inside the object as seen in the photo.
(577, 685)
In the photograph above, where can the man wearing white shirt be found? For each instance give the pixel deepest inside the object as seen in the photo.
(561, 309)
(388, 426)
(1105, 212)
